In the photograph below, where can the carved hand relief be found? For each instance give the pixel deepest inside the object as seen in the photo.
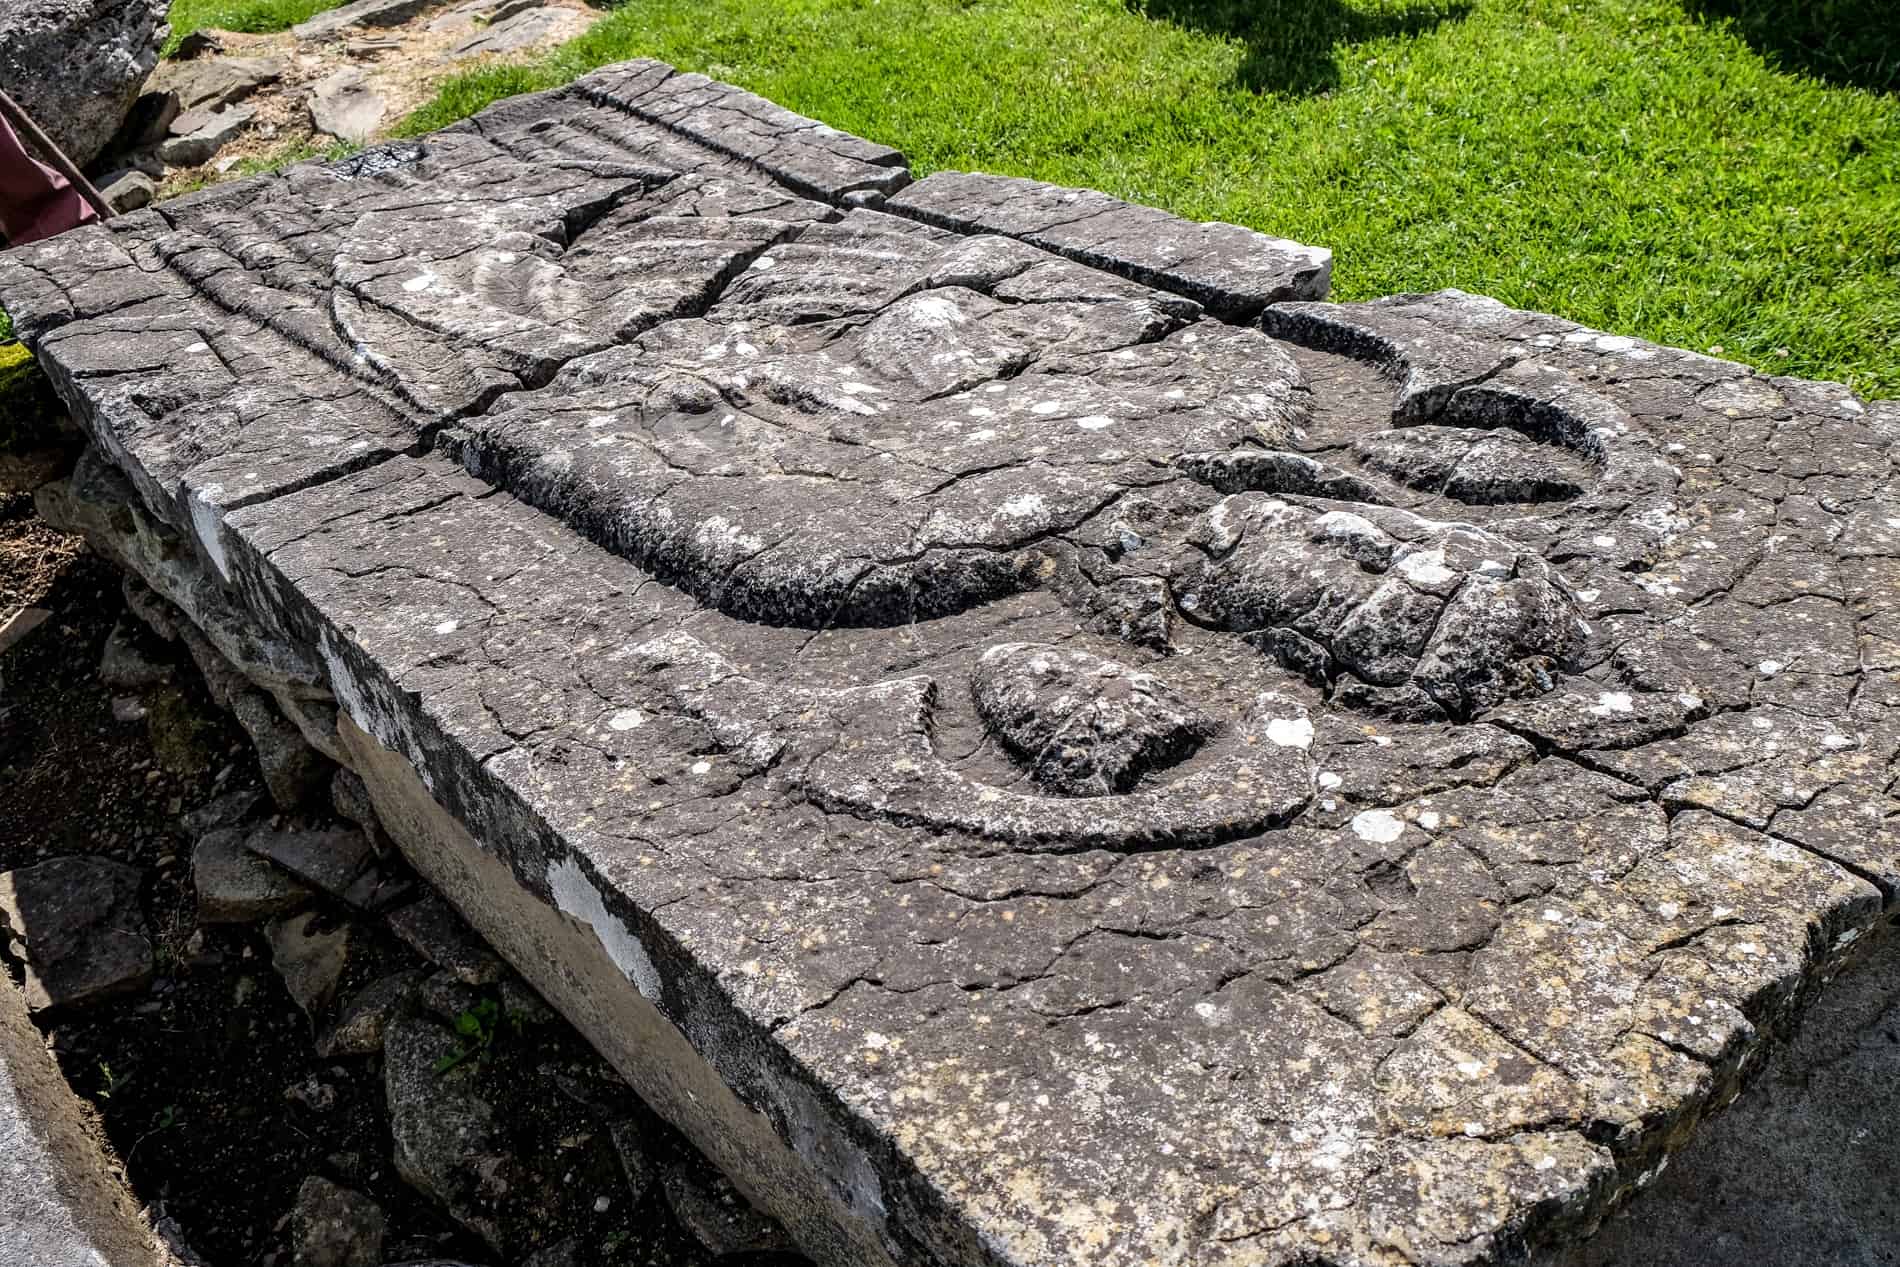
(1403, 614)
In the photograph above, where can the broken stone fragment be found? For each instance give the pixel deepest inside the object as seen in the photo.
(79, 927)
(125, 665)
(364, 1019)
(331, 858)
(448, 1144)
(333, 1226)
(293, 770)
(128, 191)
(715, 1213)
(224, 810)
(433, 930)
(237, 885)
(211, 130)
(19, 624)
(211, 83)
(334, 22)
(522, 29)
(343, 105)
(310, 957)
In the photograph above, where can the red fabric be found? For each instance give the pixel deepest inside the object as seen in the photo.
(35, 201)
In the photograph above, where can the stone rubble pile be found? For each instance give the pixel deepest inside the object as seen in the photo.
(345, 75)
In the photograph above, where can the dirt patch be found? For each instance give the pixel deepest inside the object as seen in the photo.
(406, 76)
(33, 557)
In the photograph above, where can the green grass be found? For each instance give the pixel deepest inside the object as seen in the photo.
(1711, 173)
(252, 16)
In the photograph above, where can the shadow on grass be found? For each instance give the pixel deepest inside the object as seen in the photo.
(1293, 45)
(1853, 43)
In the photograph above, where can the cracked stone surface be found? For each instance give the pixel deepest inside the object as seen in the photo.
(1114, 767)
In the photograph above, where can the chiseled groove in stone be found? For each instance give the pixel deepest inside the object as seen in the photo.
(1234, 271)
(654, 85)
(252, 304)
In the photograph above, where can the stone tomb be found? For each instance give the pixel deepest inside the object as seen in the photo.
(1034, 739)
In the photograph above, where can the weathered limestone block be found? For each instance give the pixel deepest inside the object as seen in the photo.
(1019, 768)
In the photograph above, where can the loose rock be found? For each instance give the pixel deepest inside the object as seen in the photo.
(332, 858)
(76, 66)
(364, 1019)
(211, 131)
(128, 191)
(335, 1227)
(20, 624)
(346, 107)
(448, 1144)
(433, 930)
(124, 665)
(237, 885)
(293, 770)
(79, 925)
(523, 30)
(360, 13)
(310, 959)
(224, 810)
(212, 83)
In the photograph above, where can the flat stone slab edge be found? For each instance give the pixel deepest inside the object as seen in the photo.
(1103, 757)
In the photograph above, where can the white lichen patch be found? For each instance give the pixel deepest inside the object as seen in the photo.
(1291, 732)
(1379, 826)
(575, 895)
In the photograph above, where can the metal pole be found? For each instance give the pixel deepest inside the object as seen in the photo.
(23, 123)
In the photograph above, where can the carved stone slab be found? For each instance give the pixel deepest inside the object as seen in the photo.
(1107, 784)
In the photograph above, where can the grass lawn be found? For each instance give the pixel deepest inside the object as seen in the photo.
(1713, 173)
(252, 16)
